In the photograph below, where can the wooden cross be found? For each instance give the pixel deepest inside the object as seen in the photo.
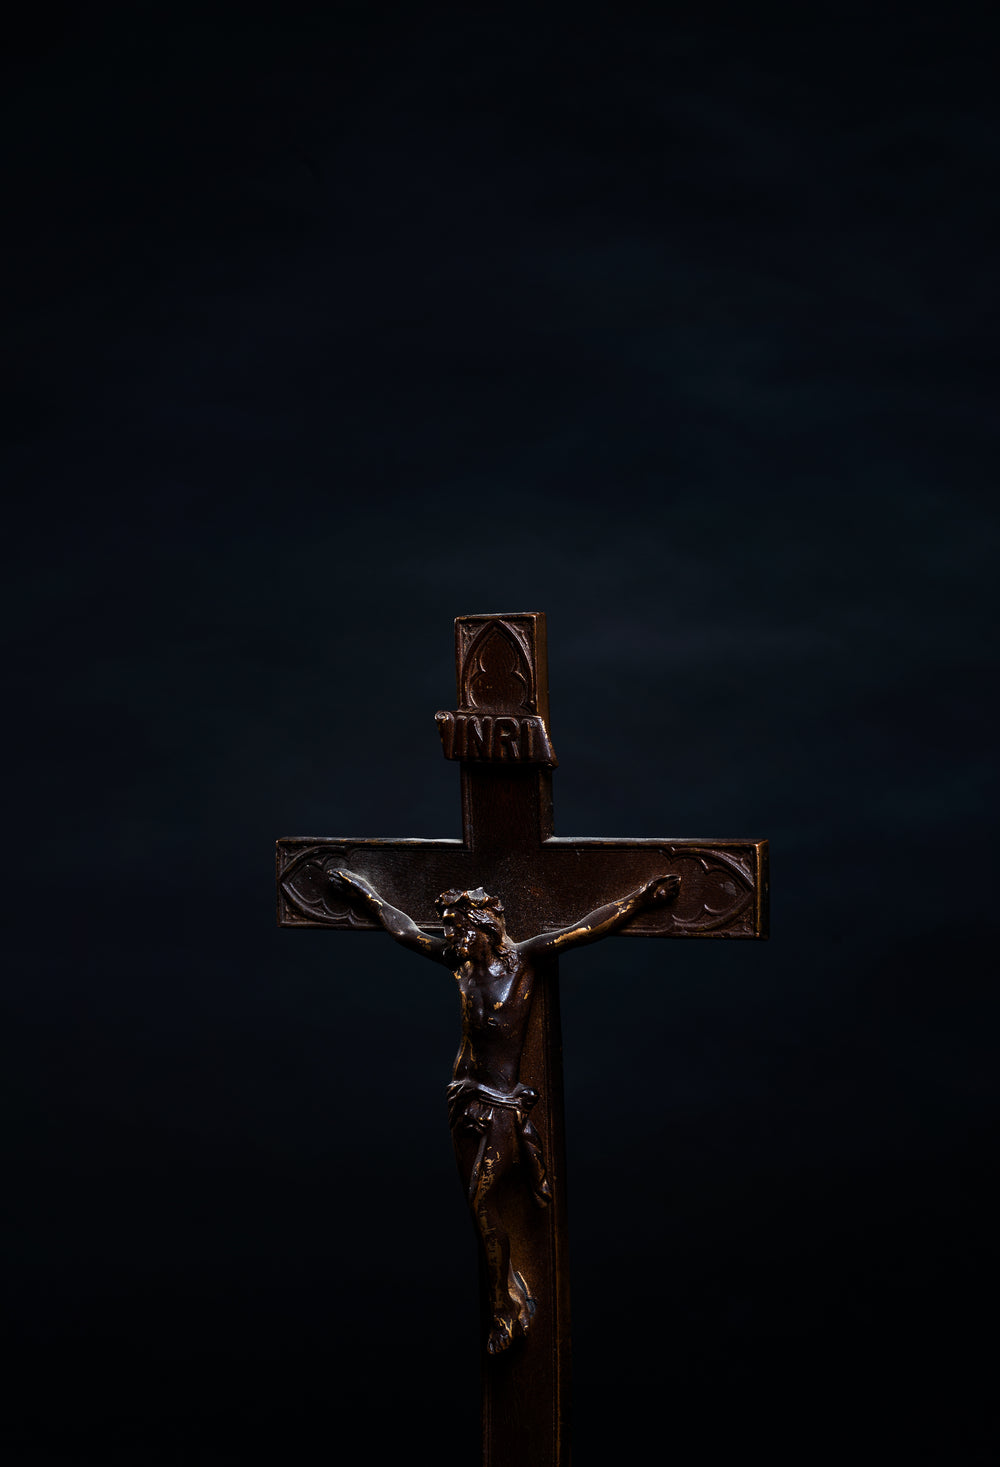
(499, 734)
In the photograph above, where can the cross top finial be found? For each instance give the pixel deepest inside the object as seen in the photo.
(502, 713)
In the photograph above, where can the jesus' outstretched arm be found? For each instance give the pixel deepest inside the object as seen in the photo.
(364, 898)
(603, 921)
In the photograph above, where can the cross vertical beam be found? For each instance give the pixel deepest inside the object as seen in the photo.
(506, 758)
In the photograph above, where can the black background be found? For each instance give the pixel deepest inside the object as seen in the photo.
(326, 325)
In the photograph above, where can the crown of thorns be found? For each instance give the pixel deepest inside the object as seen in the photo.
(472, 901)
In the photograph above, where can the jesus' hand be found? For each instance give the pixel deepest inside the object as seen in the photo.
(660, 889)
(348, 884)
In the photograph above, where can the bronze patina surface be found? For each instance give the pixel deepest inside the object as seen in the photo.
(497, 908)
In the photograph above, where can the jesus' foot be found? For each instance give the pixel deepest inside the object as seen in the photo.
(505, 1327)
(510, 1322)
(501, 1335)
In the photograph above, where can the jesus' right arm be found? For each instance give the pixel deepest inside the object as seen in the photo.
(363, 896)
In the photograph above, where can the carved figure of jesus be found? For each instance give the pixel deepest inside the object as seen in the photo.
(488, 1107)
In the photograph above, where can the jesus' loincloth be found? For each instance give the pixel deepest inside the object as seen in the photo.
(472, 1106)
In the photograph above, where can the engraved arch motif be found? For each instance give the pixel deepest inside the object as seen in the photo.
(496, 674)
(734, 894)
(305, 885)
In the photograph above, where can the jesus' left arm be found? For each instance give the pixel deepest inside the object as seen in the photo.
(603, 921)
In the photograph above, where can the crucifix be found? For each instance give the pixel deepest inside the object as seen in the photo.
(497, 909)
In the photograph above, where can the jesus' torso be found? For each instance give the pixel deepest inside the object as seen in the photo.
(496, 1001)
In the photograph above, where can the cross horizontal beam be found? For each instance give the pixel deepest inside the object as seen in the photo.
(723, 888)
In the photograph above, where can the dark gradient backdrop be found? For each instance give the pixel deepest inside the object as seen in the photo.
(326, 325)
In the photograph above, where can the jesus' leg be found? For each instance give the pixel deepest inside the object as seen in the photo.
(483, 1159)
